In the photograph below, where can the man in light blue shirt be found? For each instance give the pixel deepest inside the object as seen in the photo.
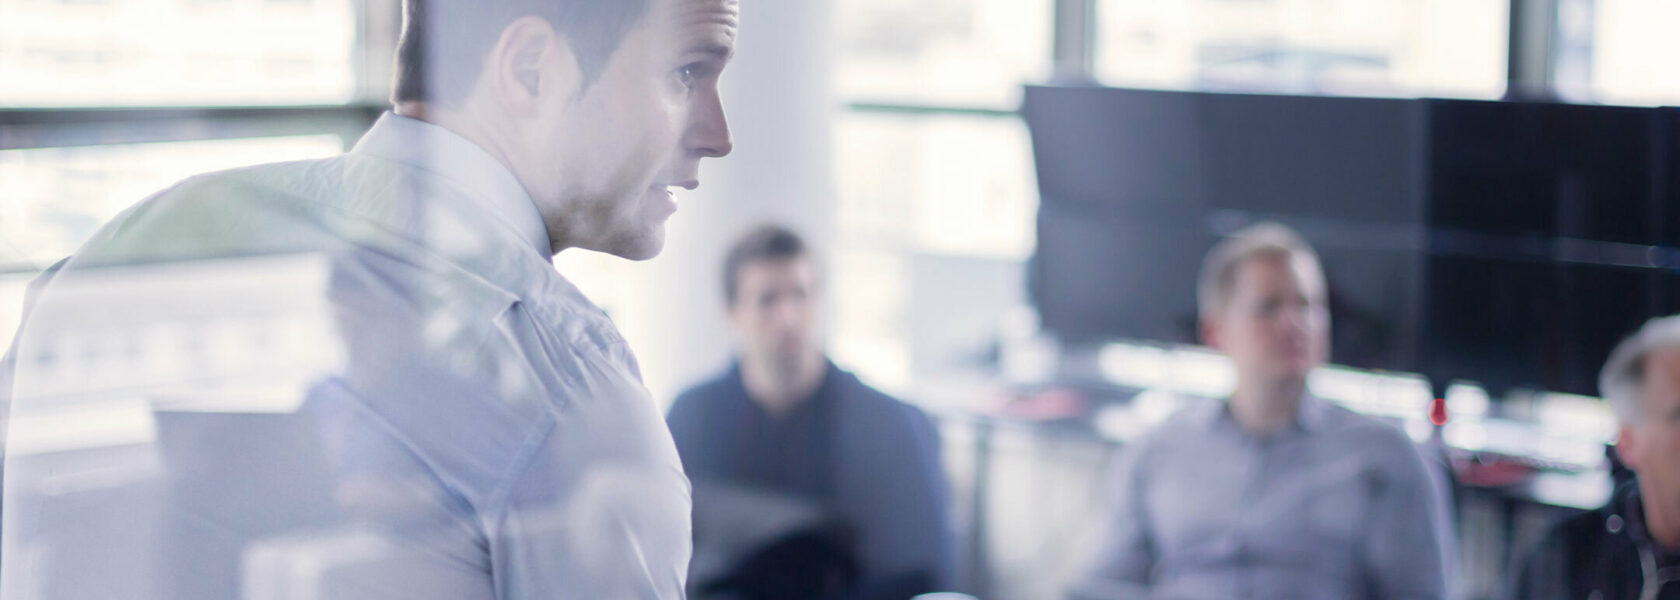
(1272, 493)
(466, 424)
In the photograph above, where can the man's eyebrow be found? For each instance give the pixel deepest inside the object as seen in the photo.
(714, 50)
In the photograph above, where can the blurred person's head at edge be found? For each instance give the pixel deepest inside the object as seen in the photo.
(1642, 383)
(598, 107)
(771, 290)
(1262, 302)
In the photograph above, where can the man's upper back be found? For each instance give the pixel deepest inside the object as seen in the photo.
(482, 409)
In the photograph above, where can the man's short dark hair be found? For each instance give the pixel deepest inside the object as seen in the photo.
(444, 42)
(763, 243)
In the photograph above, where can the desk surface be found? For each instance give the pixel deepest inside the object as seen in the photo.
(1568, 470)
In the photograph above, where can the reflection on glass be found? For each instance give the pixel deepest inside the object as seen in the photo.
(1453, 48)
(255, 332)
(171, 52)
(12, 286)
(52, 199)
(956, 52)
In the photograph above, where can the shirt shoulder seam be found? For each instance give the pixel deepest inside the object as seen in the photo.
(500, 496)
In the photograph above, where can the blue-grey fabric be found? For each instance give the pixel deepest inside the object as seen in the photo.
(850, 449)
(1335, 506)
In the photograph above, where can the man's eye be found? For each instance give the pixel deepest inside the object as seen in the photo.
(686, 76)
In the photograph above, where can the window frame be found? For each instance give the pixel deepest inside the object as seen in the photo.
(373, 53)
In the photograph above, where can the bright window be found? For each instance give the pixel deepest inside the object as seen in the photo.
(950, 182)
(946, 52)
(1632, 50)
(175, 52)
(1444, 48)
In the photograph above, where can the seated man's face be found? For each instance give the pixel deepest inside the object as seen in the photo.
(774, 315)
(1651, 446)
(1275, 325)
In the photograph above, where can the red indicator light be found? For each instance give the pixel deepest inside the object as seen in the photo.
(1438, 411)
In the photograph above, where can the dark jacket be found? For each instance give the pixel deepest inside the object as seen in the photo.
(865, 456)
(1604, 554)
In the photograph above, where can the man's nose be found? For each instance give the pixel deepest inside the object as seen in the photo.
(708, 132)
(1293, 318)
(789, 314)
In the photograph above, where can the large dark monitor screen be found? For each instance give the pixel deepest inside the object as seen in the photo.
(1544, 171)
(1530, 324)
(1542, 216)
(1137, 185)
(1498, 242)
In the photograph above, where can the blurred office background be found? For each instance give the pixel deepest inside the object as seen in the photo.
(890, 133)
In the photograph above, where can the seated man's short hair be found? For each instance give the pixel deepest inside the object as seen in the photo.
(764, 243)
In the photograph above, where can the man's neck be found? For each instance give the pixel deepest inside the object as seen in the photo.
(1263, 409)
(779, 390)
(460, 123)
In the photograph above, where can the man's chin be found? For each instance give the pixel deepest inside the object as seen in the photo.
(641, 247)
(1300, 371)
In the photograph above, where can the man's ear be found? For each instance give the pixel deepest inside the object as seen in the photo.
(529, 63)
(1210, 333)
(732, 311)
(1627, 447)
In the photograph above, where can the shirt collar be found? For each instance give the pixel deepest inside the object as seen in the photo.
(479, 175)
(824, 393)
(1309, 415)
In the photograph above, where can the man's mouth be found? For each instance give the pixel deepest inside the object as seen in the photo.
(669, 204)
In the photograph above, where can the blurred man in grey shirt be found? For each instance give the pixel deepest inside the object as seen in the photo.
(1272, 493)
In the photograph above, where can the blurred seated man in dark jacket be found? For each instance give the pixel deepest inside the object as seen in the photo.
(785, 419)
(1630, 548)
